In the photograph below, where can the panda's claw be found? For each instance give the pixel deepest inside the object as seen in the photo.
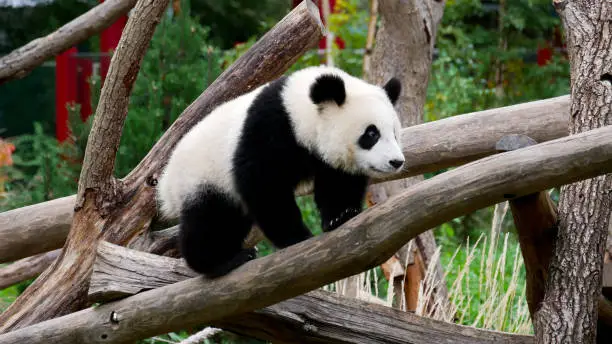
(339, 220)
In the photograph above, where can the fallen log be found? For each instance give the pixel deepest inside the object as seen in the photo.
(315, 317)
(428, 147)
(360, 244)
(20, 62)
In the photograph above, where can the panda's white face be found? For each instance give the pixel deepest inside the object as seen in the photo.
(350, 123)
(362, 136)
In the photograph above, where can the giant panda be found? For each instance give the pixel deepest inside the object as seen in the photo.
(241, 164)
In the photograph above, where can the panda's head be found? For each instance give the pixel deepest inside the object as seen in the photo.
(354, 124)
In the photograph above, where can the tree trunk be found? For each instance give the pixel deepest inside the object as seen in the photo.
(569, 311)
(404, 49)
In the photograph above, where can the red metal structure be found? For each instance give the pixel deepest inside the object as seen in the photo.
(72, 73)
(65, 91)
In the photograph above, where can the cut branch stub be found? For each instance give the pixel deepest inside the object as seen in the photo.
(361, 243)
(514, 141)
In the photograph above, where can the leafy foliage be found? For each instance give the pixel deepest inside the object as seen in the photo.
(235, 21)
(44, 169)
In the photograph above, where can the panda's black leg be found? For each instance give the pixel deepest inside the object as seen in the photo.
(212, 231)
(279, 217)
(339, 196)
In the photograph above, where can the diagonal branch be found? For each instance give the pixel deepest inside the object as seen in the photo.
(361, 243)
(428, 147)
(105, 136)
(22, 61)
(315, 317)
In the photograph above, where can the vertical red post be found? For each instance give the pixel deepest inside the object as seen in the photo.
(65, 91)
(85, 70)
(108, 42)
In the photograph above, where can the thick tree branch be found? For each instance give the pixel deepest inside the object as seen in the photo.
(26, 268)
(314, 317)
(361, 243)
(428, 147)
(22, 61)
(105, 136)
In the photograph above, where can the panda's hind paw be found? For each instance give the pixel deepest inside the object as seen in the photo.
(241, 258)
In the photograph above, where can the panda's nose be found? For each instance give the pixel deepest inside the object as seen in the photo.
(396, 163)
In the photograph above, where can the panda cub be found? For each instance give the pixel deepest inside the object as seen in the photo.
(242, 163)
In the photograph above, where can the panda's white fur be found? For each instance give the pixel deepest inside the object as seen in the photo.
(205, 153)
(241, 164)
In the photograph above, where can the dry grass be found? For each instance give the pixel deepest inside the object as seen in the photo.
(498, 302)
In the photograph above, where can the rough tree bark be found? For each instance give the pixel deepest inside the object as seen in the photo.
(62, 288)
(569, 311)
(361, 243)
(22, 61)
(127, 206)
(404, 49)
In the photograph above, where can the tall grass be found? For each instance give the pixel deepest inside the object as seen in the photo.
(485, 281)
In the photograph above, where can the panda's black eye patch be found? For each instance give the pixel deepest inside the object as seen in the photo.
(370, 136)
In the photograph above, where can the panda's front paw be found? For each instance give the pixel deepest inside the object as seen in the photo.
(339, 220)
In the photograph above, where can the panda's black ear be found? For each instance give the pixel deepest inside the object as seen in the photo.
(393, 88)
(328, 87)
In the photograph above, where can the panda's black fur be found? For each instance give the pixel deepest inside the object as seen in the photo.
(267, 166)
